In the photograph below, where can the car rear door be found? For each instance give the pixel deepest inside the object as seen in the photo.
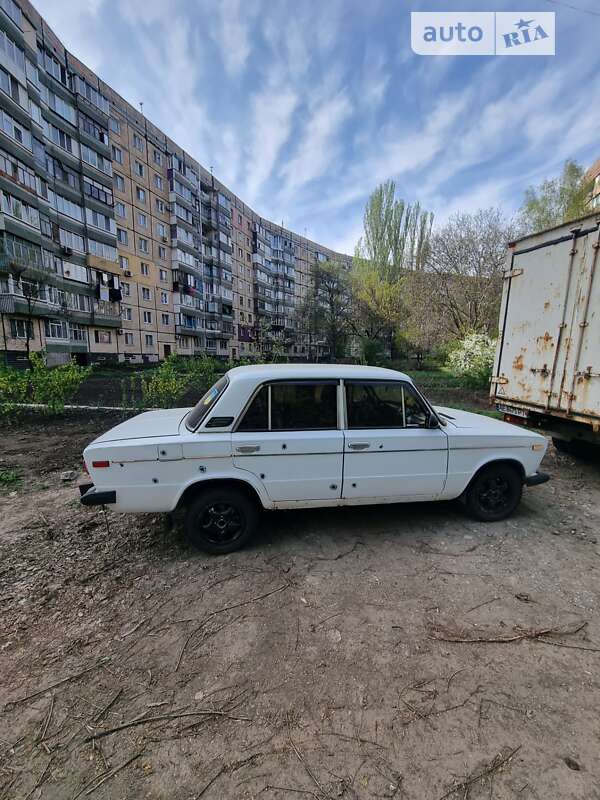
(289, 437)
(389, 450)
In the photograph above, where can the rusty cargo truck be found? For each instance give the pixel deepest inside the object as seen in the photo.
(547, 368)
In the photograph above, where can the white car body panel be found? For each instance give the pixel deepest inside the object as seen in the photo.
(153, 457)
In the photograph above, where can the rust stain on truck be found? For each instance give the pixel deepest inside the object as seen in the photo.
(550, 328)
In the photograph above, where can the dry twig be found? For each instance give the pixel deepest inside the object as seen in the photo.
(520, 633)
(497, 763)
(162, 717)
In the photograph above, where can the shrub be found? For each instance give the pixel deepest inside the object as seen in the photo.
(164, 386)
(13, 391)
(473, 359)
(54, 386)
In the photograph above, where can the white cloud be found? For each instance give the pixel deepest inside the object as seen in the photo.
(229, 25)
(272, 111)
(320, 142)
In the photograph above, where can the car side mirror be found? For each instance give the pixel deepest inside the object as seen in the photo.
(433, 421)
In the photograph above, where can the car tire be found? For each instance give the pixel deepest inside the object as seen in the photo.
(494, 493)
(220, 521)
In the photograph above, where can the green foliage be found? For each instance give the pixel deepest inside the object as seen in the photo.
(9, 478)
(556, 200)
(13, 391)
(51, 387)
(164, 386)
(396, 233)
(473, 359)
(54, 386)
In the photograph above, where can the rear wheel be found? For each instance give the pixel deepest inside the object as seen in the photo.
(494, 493)
(221, 520)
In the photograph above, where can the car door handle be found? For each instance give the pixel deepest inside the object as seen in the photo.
(359, 445)
(248, 448)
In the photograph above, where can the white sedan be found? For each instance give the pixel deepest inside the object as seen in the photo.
(306, 436)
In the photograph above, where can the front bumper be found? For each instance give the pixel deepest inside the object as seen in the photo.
(535, 480)
(90, 496)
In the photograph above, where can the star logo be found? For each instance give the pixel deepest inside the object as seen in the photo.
(523, 23)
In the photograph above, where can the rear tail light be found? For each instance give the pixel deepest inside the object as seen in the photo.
(100, 464)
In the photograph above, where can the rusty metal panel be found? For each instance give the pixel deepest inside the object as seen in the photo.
(548, 353)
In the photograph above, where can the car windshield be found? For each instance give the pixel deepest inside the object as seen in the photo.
(204, 405)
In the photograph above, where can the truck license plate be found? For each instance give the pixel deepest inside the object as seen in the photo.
(512, 410)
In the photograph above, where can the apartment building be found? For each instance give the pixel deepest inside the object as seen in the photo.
(593, 176)
(115, 244)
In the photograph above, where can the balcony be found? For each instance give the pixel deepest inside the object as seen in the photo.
(38, 307)
(184, 330)
(106, 319)
(102, 264)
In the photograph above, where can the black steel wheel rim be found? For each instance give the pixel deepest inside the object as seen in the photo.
(221, 523)
(495, 494)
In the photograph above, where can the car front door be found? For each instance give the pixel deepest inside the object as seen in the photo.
(290, 439)
(389, 449)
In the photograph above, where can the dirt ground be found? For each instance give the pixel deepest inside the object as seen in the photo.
(318, 662)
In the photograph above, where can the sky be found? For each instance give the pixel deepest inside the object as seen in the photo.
(303, 107)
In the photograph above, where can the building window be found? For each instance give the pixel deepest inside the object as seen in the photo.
(143, 245)
(124, 262)
(139, 169)
(162, 275)
(161, 229)
(148, 317)
(126, 289)
(137, 142)
(145, 268)
(145, 293)
(18, 329)
(102, 337)
(119, 182)
(158, 181)
(149, 340)
(159, 205)
(162, 252)
(129, 339)
(122, 236)
(165, 319)
(114, 125)
(120, 210)
(143, 220)
(164, 298)
(126, 313)
(55, 329)
(157, 157)
(140, 194)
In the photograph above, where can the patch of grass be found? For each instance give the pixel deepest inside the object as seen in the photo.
(10, 478)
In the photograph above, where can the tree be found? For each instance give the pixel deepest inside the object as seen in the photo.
(395, 242)
(459, 290)
(396, 233)
(556, 200)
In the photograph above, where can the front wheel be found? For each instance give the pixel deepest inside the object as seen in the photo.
(494, 493)
(220, 521)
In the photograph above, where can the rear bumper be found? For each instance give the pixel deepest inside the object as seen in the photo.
(90, 496)
(535, 480)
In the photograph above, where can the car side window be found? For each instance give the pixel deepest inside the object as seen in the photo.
(292, 406)
(376, 404)
(256, 417)
(303, 406)
(415, 415)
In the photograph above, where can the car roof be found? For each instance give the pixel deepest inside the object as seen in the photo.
(266, 372)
